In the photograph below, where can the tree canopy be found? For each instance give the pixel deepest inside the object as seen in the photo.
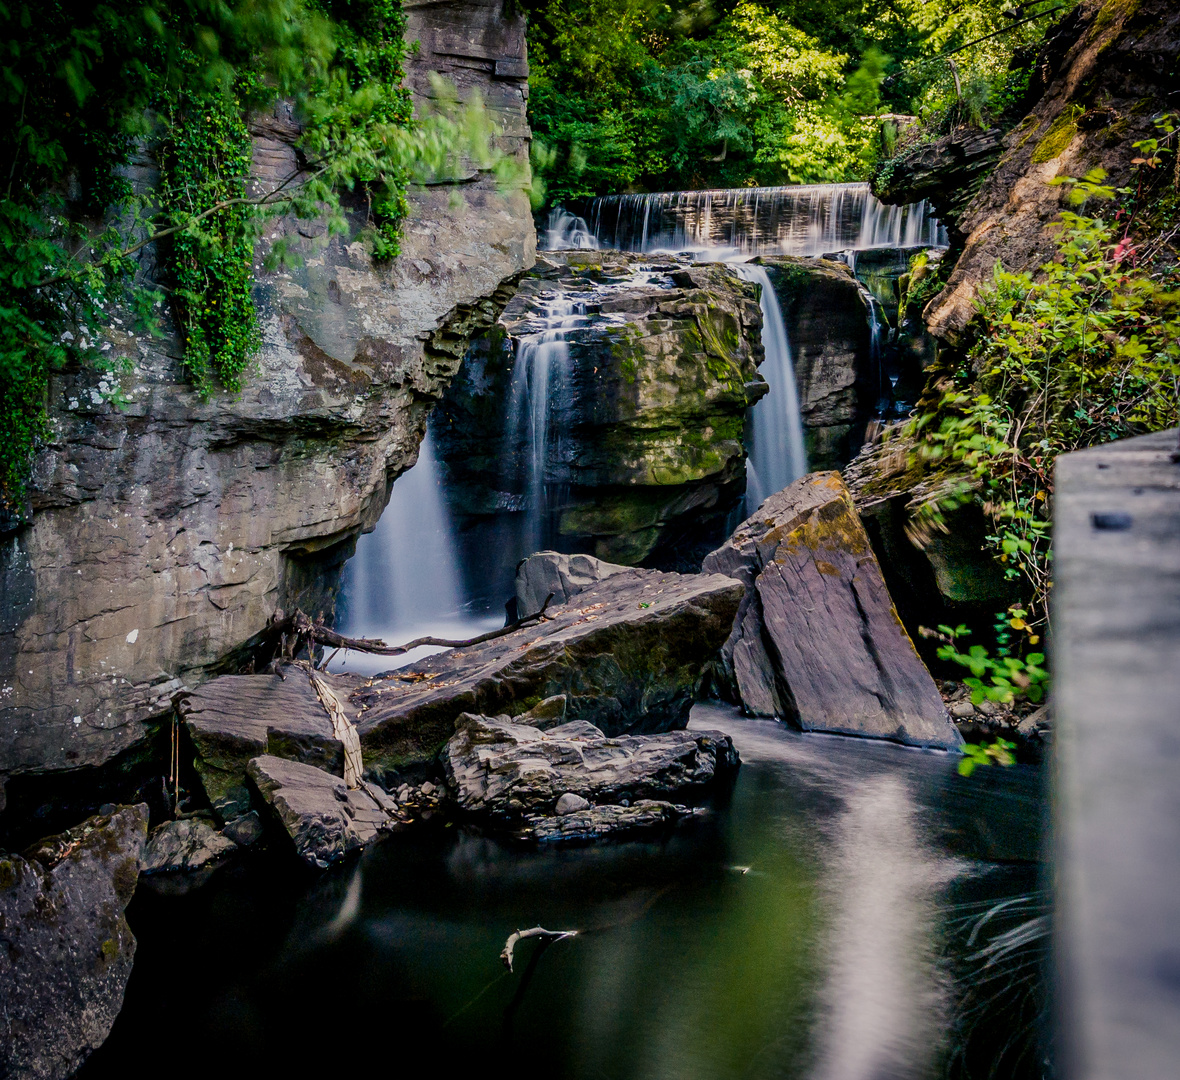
(645, 95)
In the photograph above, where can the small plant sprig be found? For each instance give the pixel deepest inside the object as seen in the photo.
(1004, 679)
(997, 752)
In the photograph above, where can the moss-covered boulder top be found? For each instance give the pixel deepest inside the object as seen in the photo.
(645, 398)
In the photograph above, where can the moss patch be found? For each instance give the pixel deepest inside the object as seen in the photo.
(1059, 135)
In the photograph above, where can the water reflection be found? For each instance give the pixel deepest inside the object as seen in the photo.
(805, 930)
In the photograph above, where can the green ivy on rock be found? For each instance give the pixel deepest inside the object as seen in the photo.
(204, 164)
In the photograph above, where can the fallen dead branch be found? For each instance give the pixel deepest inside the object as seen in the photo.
(297, 631)
(547, 936)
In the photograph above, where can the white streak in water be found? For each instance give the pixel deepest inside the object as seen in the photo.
(885, 1002)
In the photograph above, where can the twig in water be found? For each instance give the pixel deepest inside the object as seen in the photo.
(547, 936)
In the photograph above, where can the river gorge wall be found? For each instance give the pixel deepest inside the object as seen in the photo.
(160, 535)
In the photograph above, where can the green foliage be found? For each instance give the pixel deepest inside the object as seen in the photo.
(997, 752)
(204, 161)
(1003, 679)
(83, 86)
(1085, 351)
(641, 95)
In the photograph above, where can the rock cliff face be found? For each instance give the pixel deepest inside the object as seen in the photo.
(1108, 69)
(631, 424)
(162, 534)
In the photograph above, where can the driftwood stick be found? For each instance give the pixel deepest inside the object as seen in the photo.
(547, 936)
(302, 629)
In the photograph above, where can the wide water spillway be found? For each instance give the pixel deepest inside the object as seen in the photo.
(806, 219)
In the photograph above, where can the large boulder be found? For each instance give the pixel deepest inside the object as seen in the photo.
(626, 655)
(646, 405)
(495, 766)
(67, 948)
(827, 322)
(817, 639)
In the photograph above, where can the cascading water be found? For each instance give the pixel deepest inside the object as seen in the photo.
(808, 219)
(777, 456)
(567, 232)
(540, 370)
(403, 582)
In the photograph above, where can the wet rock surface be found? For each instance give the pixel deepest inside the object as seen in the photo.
(646, 408)
(550, 573)
(817, 639)
(324, 818)
(597, 822)
(68, 949)
(497, 767)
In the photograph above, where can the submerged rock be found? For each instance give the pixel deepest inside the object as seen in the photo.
(67, 947)
(497, 767)
(324, 818)
(596, 822)
(817, 639)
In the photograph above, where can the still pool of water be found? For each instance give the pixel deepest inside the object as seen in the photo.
(834, 918)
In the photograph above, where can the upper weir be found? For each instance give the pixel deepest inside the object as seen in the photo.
(804, 219)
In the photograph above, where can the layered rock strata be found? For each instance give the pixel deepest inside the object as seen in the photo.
(572, 783)
(161, 534)
(817, 639)
(649, 365)
(625, 655)
(67, 947)
(325, 819)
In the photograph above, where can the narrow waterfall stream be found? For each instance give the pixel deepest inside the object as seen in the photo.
(404, 582)
(777, 455)
(540, 371)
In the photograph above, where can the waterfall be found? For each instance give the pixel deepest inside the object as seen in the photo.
(540, 371)
(568, 232)
(777, 457)
(807, 219)
(403, 582)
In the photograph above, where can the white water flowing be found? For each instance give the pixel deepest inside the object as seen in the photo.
(778, 456)
(805, 219)
(541, 367)
(404, 582)
(567, 232)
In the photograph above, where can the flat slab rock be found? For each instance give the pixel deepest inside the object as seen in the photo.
(68, 949)
(816, 639)
(324, 818)
(497, 767)
(626, 654)
(235, 718)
